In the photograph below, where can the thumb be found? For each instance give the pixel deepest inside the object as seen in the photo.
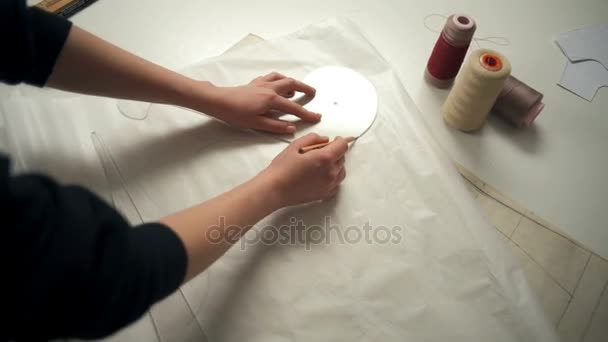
(307, 140)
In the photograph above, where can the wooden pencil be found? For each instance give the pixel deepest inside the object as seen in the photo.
(64, 8)
(321, 145)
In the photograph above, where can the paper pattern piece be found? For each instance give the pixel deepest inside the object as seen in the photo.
(442, 274)
(587, 67)
(347, 100)
(590, 43)
(584, 78)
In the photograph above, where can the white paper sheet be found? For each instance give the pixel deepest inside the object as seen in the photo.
(446, 276)
(450, 277)
(589, 43)
(347, 100)
(56, 147)
(584, 78)
(587, 68)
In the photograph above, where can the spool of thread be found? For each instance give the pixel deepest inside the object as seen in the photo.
(476, 89)
(450, 50)
(518, 103)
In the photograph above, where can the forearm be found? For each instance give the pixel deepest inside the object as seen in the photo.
(87, 64)
(229, 216)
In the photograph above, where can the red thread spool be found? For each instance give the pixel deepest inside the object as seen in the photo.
(450, 50)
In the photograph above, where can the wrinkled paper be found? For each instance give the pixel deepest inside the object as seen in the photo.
(430, 267)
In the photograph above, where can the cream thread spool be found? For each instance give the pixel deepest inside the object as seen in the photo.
(476, 89)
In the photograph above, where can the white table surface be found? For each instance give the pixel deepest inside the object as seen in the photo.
(557, 168)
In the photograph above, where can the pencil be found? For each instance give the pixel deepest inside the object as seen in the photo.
(64, 8)
(321, 145)
(74, 7)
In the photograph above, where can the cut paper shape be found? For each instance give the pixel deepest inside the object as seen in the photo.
(345, 98)
(134, 110)
(589, 43)
(587, 67)
(584, 78)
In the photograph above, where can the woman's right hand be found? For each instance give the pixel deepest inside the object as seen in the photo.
(298, 178)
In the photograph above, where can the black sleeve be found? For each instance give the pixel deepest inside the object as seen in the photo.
(72, 266)
(32, 40)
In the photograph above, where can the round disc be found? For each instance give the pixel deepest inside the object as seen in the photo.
(345, 98)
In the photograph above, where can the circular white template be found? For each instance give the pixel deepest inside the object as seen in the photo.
(345, 98)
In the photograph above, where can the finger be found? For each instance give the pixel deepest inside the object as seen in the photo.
(341, 176)
(290, 107)
(273, 125)
(288, 95)
(340, 162)
(307, 140)
(287, 85)
(337, 148)
(273, 76)
(274, 113)
(332, 193)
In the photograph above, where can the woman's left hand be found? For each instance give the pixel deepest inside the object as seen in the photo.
(254, 105)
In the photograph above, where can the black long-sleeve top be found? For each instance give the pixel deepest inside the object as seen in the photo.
(70, 265)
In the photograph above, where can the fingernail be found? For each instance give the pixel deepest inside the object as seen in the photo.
(290, 129)
(318, 116)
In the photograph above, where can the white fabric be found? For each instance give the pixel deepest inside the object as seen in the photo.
(448, 277)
